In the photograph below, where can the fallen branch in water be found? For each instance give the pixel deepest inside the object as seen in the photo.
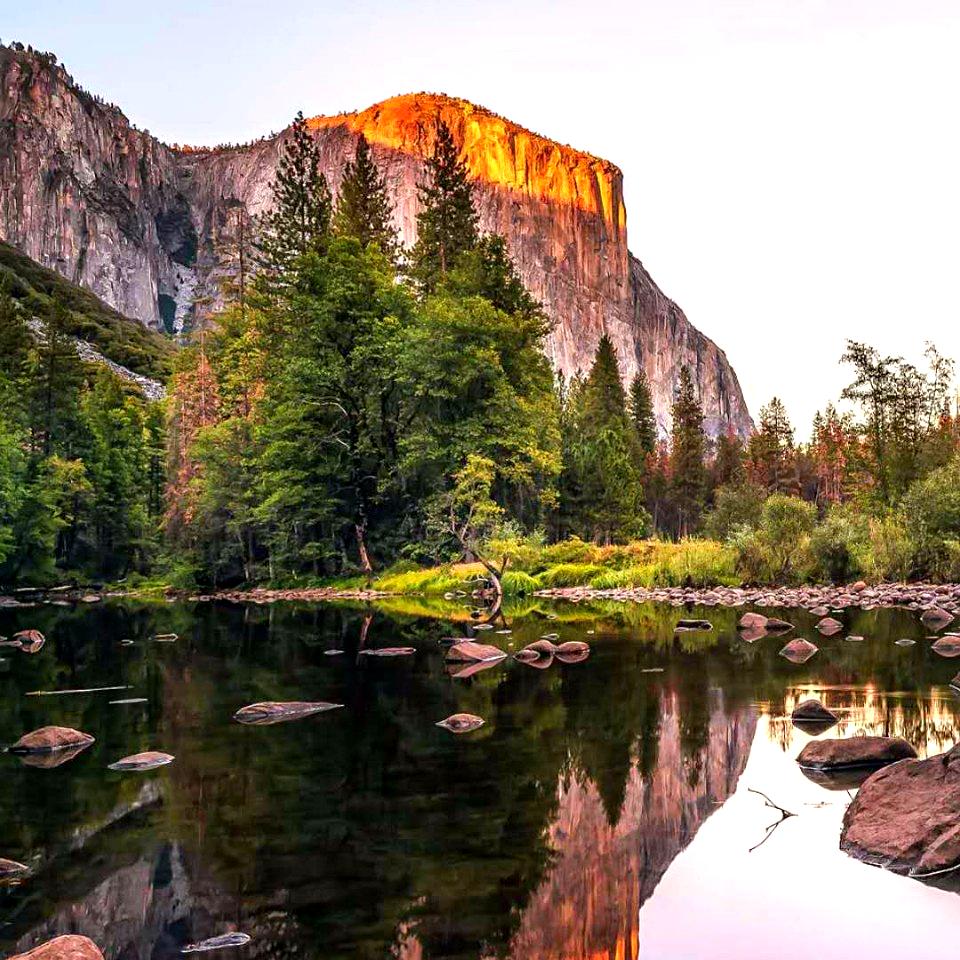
(57, 693)
(785, 814)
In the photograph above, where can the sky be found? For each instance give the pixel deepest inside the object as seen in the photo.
(791, 167)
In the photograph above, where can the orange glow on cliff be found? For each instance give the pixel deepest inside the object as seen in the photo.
(494, 150)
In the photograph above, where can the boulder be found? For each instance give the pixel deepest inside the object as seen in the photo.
(778, 626)
(573, 651)
(858, 587)
(820, 611)
(854, 752)
(270, 712)
(799, 650)
(752, 621)
(30, 641)
(828, 626)
(936, 618)
(149, 760)
(469, 650)
(907, 817)
(389, 652)
(63, 948)
(461, 723)
(812, 711)
(49, 739)
(947, 646)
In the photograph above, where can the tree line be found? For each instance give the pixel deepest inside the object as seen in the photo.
(357, 405)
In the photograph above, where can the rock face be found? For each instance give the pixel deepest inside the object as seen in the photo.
(144, 225)
(907, 817)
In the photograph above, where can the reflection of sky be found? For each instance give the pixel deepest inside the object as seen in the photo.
(797, 895)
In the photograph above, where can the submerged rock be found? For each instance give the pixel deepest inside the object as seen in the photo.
(463, 670)
(828, 626)
(63, 948)
(149, 760)
(948, 646)
(936, 618)
(688, 626)
(52, 758)
(752, 634)
(538, 650)
(855, 752)
(217, 943)
(573, 651)
(799, 650)
(774, 625)
(461, 723)
(470, 650)
(389, 652)
(50, 739)
(839, 778)
(29, 641)
(907, 817)
(269, 712)
(905, 642)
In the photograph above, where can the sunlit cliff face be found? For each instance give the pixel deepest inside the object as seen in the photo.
(494, 150)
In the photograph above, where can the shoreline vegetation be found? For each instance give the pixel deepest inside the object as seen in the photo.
(361, 417)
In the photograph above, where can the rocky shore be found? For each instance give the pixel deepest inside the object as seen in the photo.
(912, 596)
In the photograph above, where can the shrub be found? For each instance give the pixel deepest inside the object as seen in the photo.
(736, 505)
(888, 551)
(838, 545)
(573, 550)
(779, 549)
(931, 513)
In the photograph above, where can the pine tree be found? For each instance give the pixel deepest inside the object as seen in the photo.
(728, 462)
(688, 450)
(640, 405)
(772, 455)
(363, 209)
(447, 222)
(602, 478)
(299, 222)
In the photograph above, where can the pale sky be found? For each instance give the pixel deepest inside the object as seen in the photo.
(790, 168)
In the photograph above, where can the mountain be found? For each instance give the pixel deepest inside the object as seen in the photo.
(145, 225)
(134, 352)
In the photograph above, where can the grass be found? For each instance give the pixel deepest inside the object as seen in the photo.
(573, 563)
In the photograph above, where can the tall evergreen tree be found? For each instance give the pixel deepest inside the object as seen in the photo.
(640, 405)
(772, 455)
(687, 453)
(728, 465)
(299, 221)
(447, 222)
(363, 209)
(602, 477)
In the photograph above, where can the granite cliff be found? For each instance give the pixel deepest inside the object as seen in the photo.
(144, 225)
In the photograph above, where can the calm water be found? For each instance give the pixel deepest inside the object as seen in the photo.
(603, 810)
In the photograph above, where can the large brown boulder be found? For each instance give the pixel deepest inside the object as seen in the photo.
(466, 651)
(813, 717)
(63, 948)
(855, 752)
(948, 646)
(907, 817)
(752, 621)
(48, 739)
(936, 618)
(828, 626)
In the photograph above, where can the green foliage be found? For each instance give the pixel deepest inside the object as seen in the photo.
(839, 544)
(299, 221)
(640, 406)
(778, 550)
(447, 221)
(735, 506)
(601, 487)
(363, 206)
(37, 290)
(569, 575)
(517, 583)
(687, 456)
(931, 512)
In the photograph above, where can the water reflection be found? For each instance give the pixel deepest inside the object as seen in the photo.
(552, 831)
